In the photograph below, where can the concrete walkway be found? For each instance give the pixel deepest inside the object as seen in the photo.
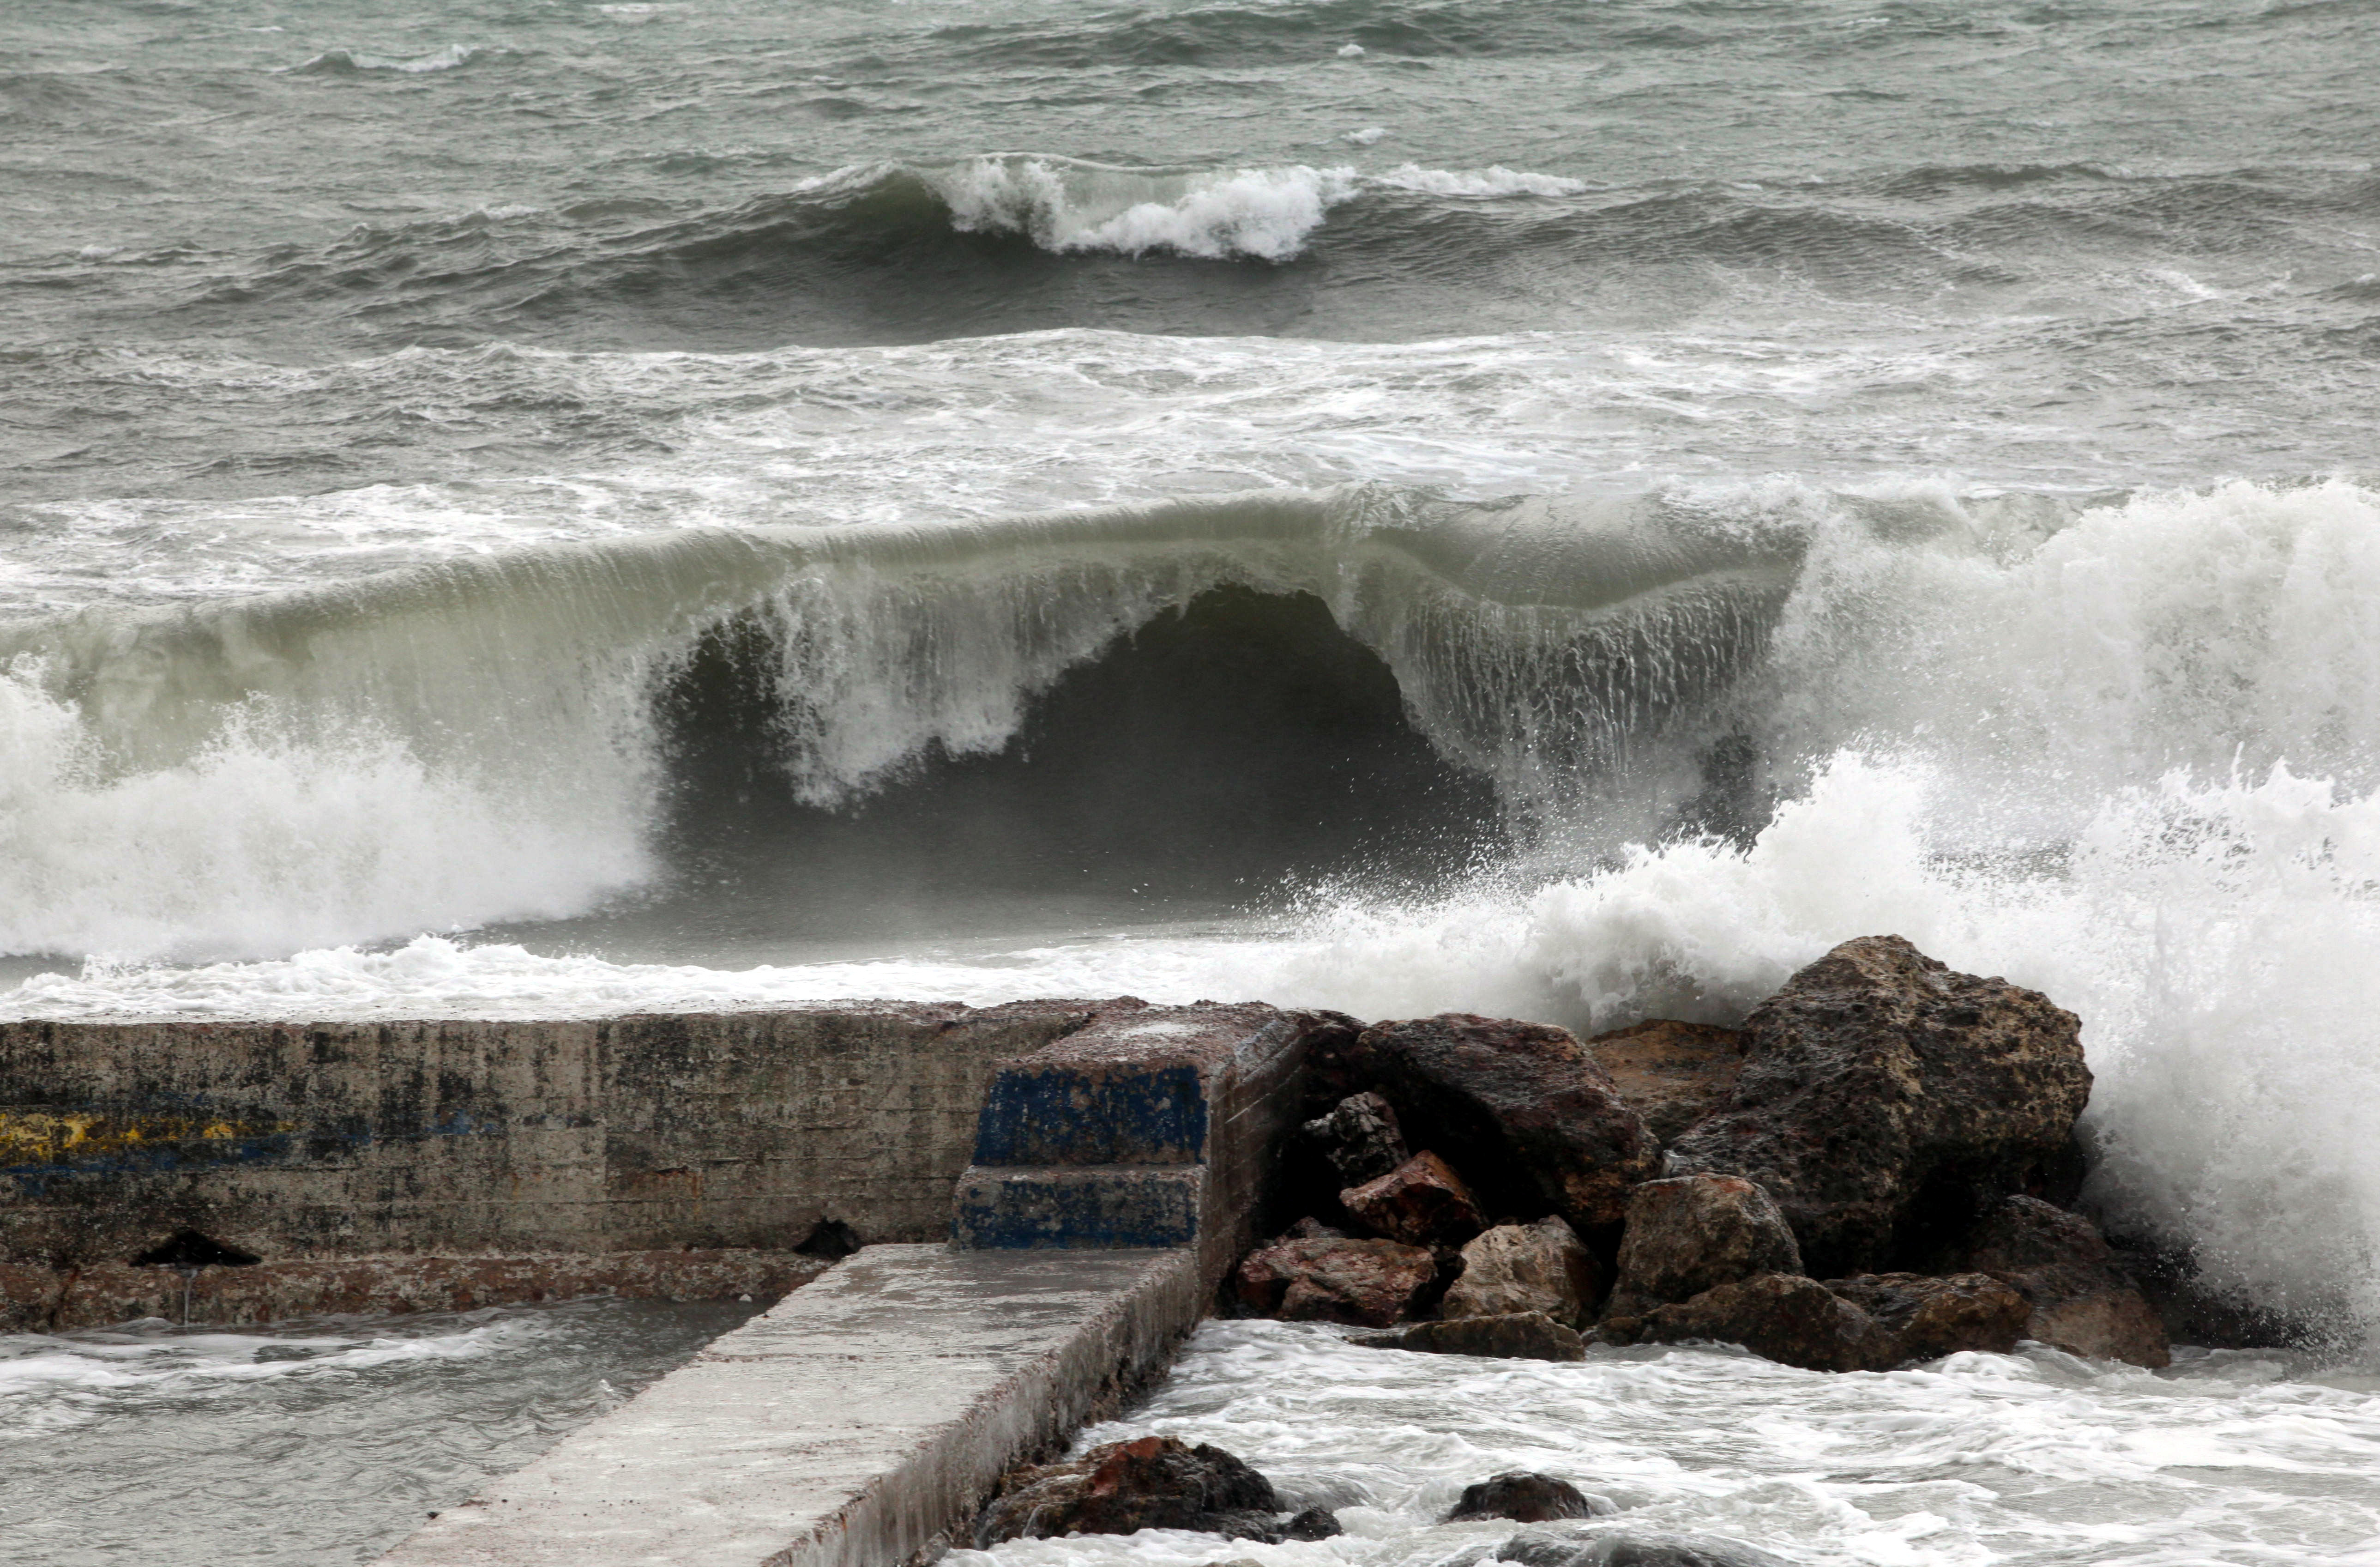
(847, 1426)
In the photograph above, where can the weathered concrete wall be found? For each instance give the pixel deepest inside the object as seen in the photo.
(49, 1300)
(632, 1134)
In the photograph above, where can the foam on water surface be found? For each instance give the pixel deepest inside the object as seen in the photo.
(308, 1444)
(2034, 1458)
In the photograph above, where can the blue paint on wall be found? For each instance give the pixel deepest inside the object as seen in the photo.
(1065, 1117)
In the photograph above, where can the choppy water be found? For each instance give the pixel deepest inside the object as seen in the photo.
(305, 1445)
(2034, 1458)
(521, 506)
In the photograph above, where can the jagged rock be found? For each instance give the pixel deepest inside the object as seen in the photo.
(1881, 1094)
(1149, 1482)
(2078, 1296)
(1778, 1317)
(1689, 1234)
(1522, 1496)
(1673, 1072)
(1311, 1229)
(1540, 1267)
(1359, 1138)
(1520, 1108)
(1520, 1335)
(1421, 1202)
(1368, 1283)
(1933, 1317)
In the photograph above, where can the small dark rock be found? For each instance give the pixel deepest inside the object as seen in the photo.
(1931, 1318)
(1314, 1524)
(1694, 1233)
(1367, 1284)
(1633, 1549)
(1421, 1202)
(1520, 1335)
(1359, 1138)
(1523, 1496)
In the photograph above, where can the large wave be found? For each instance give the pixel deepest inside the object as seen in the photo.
(2128, 753)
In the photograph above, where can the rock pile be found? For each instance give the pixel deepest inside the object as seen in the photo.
(1860, 1177)
(1149, 1483)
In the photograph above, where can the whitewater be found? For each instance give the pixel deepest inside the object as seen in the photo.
(1557, 512)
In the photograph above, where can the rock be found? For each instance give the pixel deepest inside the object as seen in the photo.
(1882, 1095)
(1421, 1202)
(1689, 1234)
(2078, 1295)
(1368, 1283)
(1520, 1108)
(1557, 1544)
(1311, 1229)
(1359, 1138)
(1933, 1317)
(1674, 1074)
(1523, 1496)
(1776, 1316)
(1540, 1267)
(1149, 1482)
(1314, 1524)
(1520, 1335)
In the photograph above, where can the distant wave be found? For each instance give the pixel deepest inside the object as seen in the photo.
(348, 62)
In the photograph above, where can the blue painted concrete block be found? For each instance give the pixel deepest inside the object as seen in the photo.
(1066, 1115)
(1093, 1208)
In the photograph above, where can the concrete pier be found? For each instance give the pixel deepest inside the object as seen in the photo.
(860, 1423)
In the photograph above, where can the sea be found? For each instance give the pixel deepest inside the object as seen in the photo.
(1554, 508)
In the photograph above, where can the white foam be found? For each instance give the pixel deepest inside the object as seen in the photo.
(449, 58)
(1971, 1462)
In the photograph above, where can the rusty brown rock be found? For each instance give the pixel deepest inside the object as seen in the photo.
(1521, 1109)
(2079, 1297)
(1778, 1317)
(1673, 1072)
(1421, 1202)
(1933, 1316)
(1689, 1234)
(1121, 1488)
(1883, 1094)
(1359, 1138)
(1540, 1267)
(1368, 1283)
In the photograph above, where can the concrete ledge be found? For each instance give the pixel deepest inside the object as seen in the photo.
(44, 1300)
(860, 1423)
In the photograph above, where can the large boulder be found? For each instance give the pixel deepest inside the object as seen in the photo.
(1776, 1316)
(1883, 1095)
(1519, 1335)
(1421, 1202)
(1673, 1072)
(1521, 1109)
(1359, 1138)
(1930, 1318)
(1369, 1283)
(1689, 1234)
(1149, 1482)
(1540, 1267)
(2077, 1294)
(1523, 1496)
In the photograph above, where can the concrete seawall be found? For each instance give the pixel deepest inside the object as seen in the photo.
(1048, 1194)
